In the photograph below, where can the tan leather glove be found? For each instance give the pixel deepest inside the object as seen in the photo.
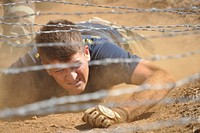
(101, 116)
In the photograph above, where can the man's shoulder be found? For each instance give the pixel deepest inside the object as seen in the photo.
(31, 58)
(104, 31)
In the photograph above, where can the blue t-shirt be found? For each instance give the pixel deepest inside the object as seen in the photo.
(106, 75)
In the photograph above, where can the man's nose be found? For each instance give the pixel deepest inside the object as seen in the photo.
(71, 76)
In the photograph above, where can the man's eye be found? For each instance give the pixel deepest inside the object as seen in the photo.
(60, 71)
(77, 66)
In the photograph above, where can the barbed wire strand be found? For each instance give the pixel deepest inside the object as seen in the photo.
(147, 27)
(73, 105)
(171, 10)
(187, 27)
(147, 37)
(95, 62)
(84, 13)
(131, 38)
(26, 109)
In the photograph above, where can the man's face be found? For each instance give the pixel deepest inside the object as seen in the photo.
(73, 79)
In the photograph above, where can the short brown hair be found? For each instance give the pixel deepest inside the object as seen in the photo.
(72, 38)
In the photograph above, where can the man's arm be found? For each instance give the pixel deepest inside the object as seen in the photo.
(147, 73)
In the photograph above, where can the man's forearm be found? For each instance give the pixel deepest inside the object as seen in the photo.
(141, 101)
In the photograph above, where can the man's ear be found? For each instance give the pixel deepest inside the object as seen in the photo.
(87, 52)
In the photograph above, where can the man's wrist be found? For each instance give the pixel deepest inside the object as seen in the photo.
(123, 114)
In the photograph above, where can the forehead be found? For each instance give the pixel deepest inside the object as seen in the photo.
(74, 58)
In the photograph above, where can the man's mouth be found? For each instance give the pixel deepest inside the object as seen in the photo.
(75, 83)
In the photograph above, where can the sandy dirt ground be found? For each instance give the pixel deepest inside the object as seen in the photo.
(164, 117)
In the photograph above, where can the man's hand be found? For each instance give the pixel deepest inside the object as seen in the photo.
(101, 116)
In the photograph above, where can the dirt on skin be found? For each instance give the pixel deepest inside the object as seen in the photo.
(164, 117)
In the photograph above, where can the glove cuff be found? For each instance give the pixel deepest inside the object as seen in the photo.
(123, 114)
